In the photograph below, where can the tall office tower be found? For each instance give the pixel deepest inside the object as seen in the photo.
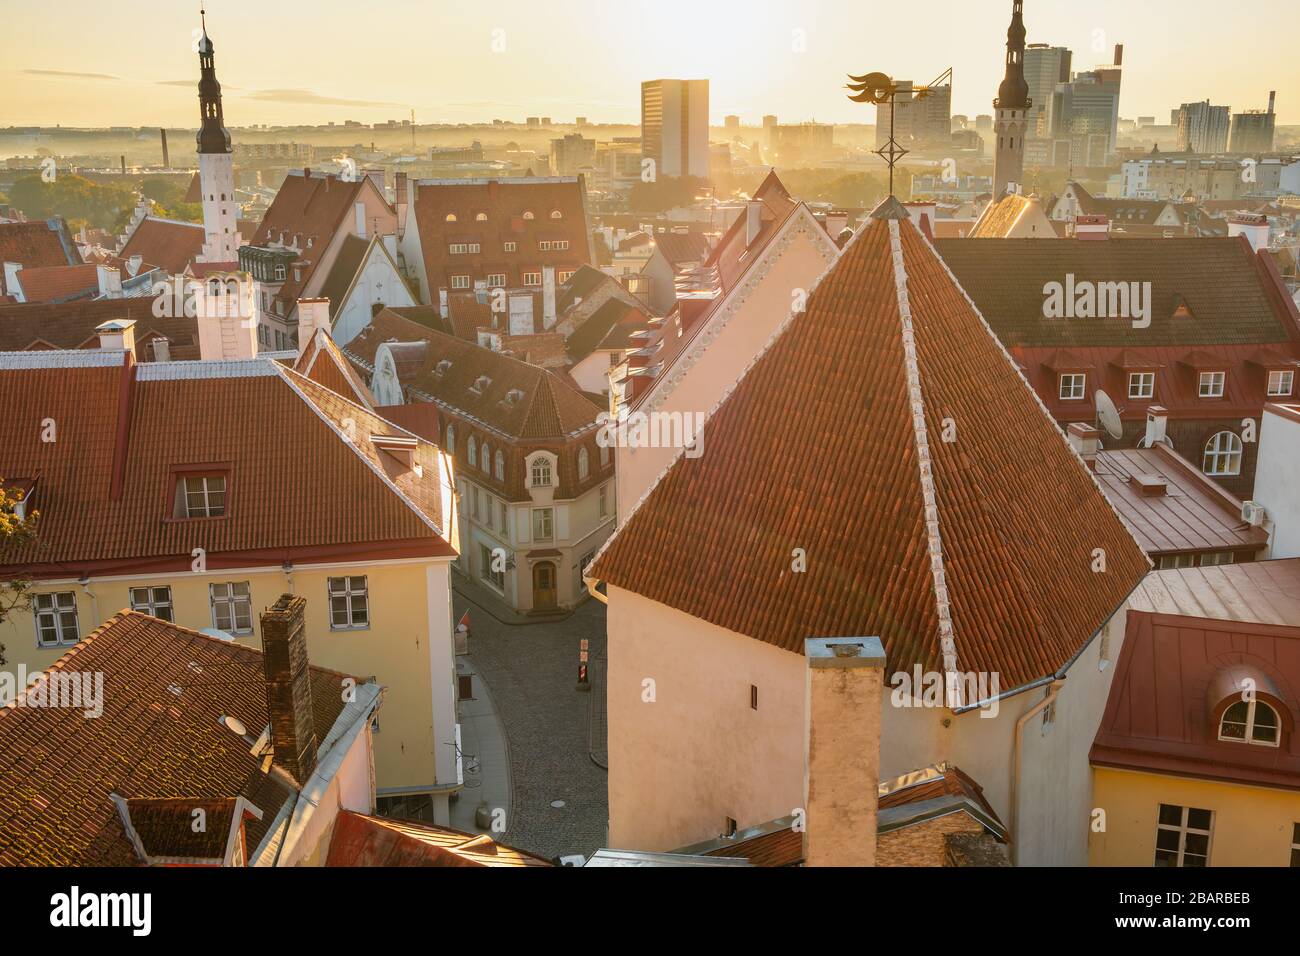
(1202, 128)
(918, 121)
(1011, 108)
(216, 166)
(675, 126)
(1252, 131)
(1088, 104)
(1045, 68)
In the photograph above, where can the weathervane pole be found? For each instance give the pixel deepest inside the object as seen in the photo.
(878, 88)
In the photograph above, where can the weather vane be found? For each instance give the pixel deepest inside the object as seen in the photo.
(878, 88)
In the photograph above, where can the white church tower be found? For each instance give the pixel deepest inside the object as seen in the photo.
(216, 166)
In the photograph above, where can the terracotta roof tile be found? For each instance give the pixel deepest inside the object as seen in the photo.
(59, 283)
(71, 325)
(172, 245)
(816, 447)
(36, 244)
(360, 840)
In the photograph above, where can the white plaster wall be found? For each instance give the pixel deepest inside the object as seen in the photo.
(378, 282)
(1277, 481)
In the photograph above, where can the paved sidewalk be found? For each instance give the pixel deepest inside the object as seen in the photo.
(484, 754)
(530, 674)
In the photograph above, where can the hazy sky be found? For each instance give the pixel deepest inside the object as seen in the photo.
(131, 62)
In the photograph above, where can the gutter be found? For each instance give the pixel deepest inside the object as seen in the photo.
(592, 584)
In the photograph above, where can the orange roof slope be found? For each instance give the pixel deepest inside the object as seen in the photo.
(817, 448)
(170, 244)
(374, 841)
(58, 767)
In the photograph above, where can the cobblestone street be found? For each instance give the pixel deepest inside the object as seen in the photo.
(531, 672)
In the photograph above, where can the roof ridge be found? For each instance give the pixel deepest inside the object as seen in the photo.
(916, 400)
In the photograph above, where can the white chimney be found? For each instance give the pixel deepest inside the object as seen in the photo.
(1157, 426)
(117, 335)
(133, 265)
(548, 296)
(226, 317)
(359, 210)
(753, 221)
(1253, 227)
(1086, 440)
(110, 282)
(442, 303)
(313, 314)
(12, 284)
(842, 710)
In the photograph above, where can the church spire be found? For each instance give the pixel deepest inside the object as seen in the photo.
(1014, 91)
(213, 136)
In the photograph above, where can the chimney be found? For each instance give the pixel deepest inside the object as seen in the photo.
(842, 708)
(399, 201)
(110, 281)
(922, 215)
(227, 321)
(288, 687)
(1119, 54)
(313, 314)
(1086, 440)
(12, 285)
(753, 221)
(1091, 227)
(162, 135)
(133, 265)
(1157, 426)
(359, 212)
(548, 296)
(1272, 101)
(117, 335)
(1253, 227)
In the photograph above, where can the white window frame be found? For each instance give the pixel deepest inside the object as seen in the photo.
(540, 473)
(147, 600)
(584, 464)
(206, 488)
(1280, 376)
(510, 247)
(347, 590)
(1212, 384)
(1218, 461)
(460, 283)
(57, 611)
(471, 451)
(1183, 830)
(547, 518)
(1249, 738)
(1070, 383)
(532, 278)
(496, 280)
(228, 594)
(501, 466)
(485, 459)
(1141, 384)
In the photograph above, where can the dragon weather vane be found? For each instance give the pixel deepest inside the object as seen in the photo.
(878, 88)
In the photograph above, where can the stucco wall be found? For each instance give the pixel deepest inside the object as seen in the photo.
(1276, 479)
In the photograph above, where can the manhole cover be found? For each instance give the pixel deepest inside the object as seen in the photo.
(557, 804)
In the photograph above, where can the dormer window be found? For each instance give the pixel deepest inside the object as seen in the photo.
(1141, 384)
(481, 217)
(528, 214)
(200, 496)
(280, 272)
(1072, 386)
(556, 214)
(541, 473)
(1251, 722)
(486, 458)
(451, 217)
(443, 367)
(1212, 384)
(481, 384)
(1281, 383)
(514, 396)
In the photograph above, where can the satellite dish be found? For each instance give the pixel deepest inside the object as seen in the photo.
(1108, 416)
(234, 725)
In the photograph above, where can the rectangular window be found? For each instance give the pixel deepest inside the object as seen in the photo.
(1072, 386)
(460, 282)
(543, 247)
(543, 524)
(753, 697)
(560, 245)
(1215, 559)
(201, 496)
(1212, 384)
(232, 607)
(604, 501)
(496, 280)
(532, 278)
(564, 276)
(1183, 836)
(1169, 561)
(56, 619)
(156, 602)
(349, 604)
(511, 246)
(505, 522)
(459, 248)
(1141, 384)
(1280, 383)
(475, 496)
(496, 578)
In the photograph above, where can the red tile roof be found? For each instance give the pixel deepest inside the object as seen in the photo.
(817, 448)
(682, 248)
(59, 283)
(106, 486)
(323, 362)
(360, 840)
(1177, 673)
(71, 325)
(35, 244)
(164, 688)
(505, 203)
(172, 245)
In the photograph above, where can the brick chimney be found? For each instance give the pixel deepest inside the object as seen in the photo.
(313, 314)
(1091, 227)
(400, 202)
(1086, 440)
(842, 708)
(288, 687)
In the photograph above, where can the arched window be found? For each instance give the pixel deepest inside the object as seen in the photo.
(556, 214)
(1222, 455)
(583, 464)
(528, 214)
(486, 458)
(501, 466)
(451, 440)
(472, 451)
(1251, 722)
(541, 472)
(451, 217)
(481, 217)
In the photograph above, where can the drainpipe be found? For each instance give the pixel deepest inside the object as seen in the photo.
(592, 584)
(94, 601)
(1052, 691)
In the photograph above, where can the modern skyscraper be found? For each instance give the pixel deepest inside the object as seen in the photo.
(216, 165)
(675, 126)
(1202, 128)
(1045, 68)
(1011, 109)
(1252, 131)
(918, 120)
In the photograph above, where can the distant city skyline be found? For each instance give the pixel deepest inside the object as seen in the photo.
(134, 64)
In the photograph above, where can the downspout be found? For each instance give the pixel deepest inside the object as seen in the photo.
(592, 584)
(1052, 691)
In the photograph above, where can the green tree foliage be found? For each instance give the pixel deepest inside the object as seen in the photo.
(168, 196)
(75, 198)
(15, 532)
